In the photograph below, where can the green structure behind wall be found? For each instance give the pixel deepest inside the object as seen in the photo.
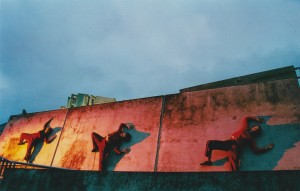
(85, 99)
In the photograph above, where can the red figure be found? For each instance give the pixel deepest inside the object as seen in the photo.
(238, 139)
(34, 138)
(112, 141)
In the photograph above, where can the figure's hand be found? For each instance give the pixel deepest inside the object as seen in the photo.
(130, 126)
(126, 151)
(270, 146)
(260, 120)
(51, 138)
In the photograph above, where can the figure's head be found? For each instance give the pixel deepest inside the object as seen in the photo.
(126, 136)
(255, 130)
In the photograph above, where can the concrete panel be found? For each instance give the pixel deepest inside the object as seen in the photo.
(192, 118)
(61, 180)
(74, 150)
(31, 123)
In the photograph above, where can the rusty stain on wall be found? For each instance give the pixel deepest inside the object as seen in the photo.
(188, 120)
(12, 147)
(75, 156)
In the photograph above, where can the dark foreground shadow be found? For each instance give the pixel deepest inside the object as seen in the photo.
(40, 143)
(113, 158)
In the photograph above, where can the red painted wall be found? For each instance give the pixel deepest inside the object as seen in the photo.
(31, 123)
(178, 144)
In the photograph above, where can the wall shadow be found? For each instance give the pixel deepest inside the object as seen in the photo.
(284, 136)
(40, 143)
(113, 159)
(220, 162)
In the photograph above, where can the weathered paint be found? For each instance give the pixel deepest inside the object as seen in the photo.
(192, 118)
(189, 120)
(74, 149)
(31, 123)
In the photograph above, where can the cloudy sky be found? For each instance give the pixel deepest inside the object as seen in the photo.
(129, 49)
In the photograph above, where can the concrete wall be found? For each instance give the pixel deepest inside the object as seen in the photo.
(192, 118)
(74, 149)
(171, 131)
(31, 123)
(57, 180)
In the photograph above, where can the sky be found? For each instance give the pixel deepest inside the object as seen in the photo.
(130, 49)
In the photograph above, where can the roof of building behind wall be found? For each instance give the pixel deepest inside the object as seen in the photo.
(270, 75)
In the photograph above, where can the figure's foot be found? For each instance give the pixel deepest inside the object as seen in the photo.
(95, 150)
(26, 159)
(206, 163)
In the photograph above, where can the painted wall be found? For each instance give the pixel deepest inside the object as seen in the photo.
(74, 149)
(175, 142)
(43, 154)
(192, 118)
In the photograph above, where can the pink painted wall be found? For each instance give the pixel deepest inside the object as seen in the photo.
(189, 120)
(30, 123)
(74, 150)
(192, 118)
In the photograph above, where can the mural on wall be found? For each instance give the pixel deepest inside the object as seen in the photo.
(191, 119)
(36, 140)
(244, 136)
(139, 118)
(25, 135)
(112, 147)
(286, 137)
(169, 133)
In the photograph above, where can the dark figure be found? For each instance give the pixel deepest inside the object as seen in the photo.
(244, 136)
(34, 138)
(112, 141)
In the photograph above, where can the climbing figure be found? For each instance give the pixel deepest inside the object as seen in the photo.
(244, 136)
(34, 138)
(112, 141)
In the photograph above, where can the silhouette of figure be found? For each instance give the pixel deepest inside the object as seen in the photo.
(34, 138)
(112, 141)
(244, 136)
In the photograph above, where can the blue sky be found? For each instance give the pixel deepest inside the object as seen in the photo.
(131, 49)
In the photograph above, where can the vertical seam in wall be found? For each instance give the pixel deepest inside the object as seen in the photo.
(59, 137)
(159, 133)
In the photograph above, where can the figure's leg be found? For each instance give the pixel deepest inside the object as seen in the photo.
(234, 158)
(102, 154)
(96, 139)
(215, 145)
(28, 152)
(23, 138)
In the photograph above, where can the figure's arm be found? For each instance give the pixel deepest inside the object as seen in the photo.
(256, 119)
(48, 123)
(122, 126)
(48, 141)
(245, 122)
(261, 150)
(120, 151)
